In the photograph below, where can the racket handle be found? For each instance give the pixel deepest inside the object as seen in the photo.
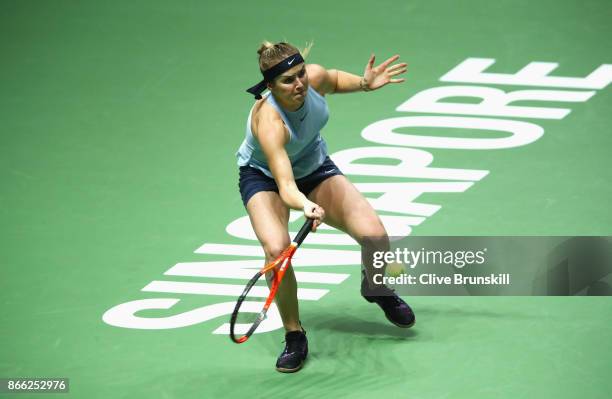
(301, 235)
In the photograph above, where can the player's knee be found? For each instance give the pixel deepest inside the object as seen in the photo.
(374, 237)
(274, 249)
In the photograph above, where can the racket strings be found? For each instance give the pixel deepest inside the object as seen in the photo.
(248, 315)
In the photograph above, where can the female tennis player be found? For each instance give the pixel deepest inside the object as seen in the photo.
(284, 165)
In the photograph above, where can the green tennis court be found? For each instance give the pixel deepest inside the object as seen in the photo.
(119, 199)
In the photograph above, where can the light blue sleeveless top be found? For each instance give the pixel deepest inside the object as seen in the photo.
(306, 148)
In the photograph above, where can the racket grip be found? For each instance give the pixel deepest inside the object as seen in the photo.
(301, 235)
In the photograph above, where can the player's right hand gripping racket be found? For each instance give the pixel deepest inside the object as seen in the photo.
(245, 319)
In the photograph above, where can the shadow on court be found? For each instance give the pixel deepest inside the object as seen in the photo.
(467, 311)
(266, 382)
(379, 329)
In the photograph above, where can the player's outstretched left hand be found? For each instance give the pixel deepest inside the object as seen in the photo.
(377, 77)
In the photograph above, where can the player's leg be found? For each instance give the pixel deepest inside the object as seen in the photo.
(347, 209)
(269, 217)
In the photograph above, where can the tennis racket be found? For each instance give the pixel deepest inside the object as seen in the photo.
(245, 318)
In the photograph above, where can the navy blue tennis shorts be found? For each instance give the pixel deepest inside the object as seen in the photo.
(253, 180)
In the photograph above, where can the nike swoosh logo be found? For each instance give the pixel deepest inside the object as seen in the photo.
(302, 118)
(291, 62)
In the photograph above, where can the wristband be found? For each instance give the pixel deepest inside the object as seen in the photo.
(363, 85)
